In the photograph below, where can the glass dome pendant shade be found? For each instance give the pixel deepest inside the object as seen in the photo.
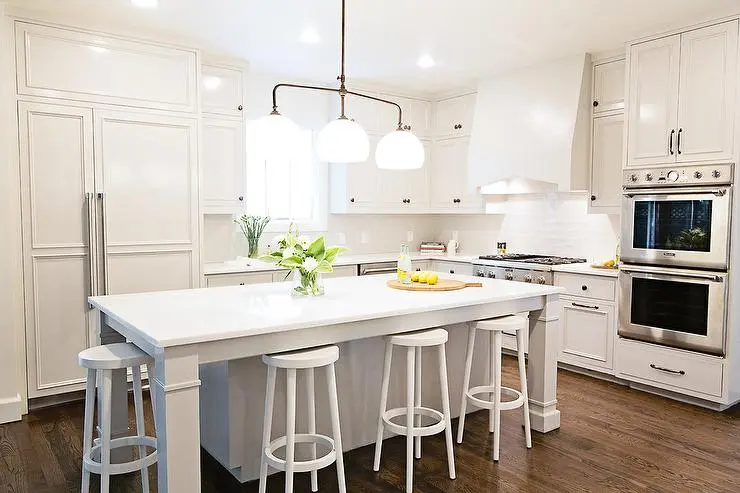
(276, 135)
(343, 141)
(399, 150)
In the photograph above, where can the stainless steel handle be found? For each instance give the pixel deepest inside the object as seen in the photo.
(590, 307)
(719, 192)
(667, 370)
(89, 203)
(379, 270)
(672, 273)
(103, 239)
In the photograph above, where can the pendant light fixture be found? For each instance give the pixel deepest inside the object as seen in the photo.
(344, 140)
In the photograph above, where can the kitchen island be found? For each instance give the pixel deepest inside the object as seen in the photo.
(186, 330)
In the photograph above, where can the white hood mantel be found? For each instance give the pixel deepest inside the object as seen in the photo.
(531, 129)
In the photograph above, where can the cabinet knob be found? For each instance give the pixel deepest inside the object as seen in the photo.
(593, 197)
(596, 103)
(241, 284)
(240, 107)
(452, 271)
(241, 198)
(459, 125)
(584, 287)
(352, 199)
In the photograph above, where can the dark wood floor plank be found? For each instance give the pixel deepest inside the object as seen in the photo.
(611, 439)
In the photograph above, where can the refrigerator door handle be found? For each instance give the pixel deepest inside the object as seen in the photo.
(103, 239)
(90, 205)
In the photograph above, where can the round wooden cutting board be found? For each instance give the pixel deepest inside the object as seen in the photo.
(442, 285)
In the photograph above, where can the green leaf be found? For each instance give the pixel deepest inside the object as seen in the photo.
(291, 262)
(324, 267)
(333, 252)
(272, 258)
(317, 249)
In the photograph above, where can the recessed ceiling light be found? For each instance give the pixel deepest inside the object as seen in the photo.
(145, 4)
(425, 61)
(310, 36)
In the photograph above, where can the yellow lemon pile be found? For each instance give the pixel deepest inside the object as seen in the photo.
(422, 277)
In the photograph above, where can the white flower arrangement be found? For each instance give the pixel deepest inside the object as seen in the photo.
(299, 253)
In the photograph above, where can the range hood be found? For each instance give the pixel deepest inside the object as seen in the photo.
(531, 130)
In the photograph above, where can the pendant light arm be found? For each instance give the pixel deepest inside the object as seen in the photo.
(398, 107)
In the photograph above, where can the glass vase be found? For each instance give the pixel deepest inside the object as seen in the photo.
(254, 246)
(307, 283)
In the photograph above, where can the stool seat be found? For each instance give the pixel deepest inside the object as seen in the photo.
(113, 357)
(509, 322)
(303, 359)
(422, 338)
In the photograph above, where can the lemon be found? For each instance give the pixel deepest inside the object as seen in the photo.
(423, 276)
(415, 276)
(432, 279)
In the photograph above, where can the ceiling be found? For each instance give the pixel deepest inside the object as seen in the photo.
(468, 39)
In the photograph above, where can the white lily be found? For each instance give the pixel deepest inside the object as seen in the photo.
(310, 264)
(304, 241)
(288, 252)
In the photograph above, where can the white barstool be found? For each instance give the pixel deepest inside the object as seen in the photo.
(412, 429)
(100, 362)
(496, 327)
(301, 360)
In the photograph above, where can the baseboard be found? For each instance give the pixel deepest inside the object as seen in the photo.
(11, 409)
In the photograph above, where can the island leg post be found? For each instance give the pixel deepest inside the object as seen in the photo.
(177, 422)
(542, 371)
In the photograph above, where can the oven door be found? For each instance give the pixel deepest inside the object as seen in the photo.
(683, 227)
(672, 307)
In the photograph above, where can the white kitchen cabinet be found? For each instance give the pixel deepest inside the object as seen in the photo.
(219, 280)
(223, 165)
(608, 86)
(417, 114)
(377, 118)
(343, 271)
(446, 266)
(588, 333)
(448, 177)
(606, 163)
(420, 265)
(353, 187)
(75, 65)
(404, 190)
(222, 90)
(454, 116)
(681, 103)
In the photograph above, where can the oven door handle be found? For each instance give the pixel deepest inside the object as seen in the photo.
(378, 270)
(717, 192)
(673, 273)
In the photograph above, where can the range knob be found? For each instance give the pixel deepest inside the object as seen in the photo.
(491, 275)
(528, 278)
(509, 276)
(649, 177)
(716, 173)
(672, 175)
(480, 273)
(698, 174)
(634, 177)
(541, 280)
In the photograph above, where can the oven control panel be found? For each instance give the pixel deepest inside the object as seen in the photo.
(709, 174)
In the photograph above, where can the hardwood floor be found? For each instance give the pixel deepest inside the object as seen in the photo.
(611, 439)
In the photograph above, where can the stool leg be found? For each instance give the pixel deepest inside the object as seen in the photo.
(331, 378)
(492, 375)
(290, 431)
(410, 365)
(446, 410)
(497, 337)
(312, 422)
(383, 403)
(88, 427)
(466, 382)
(267, 426)
(417, 400)
(523, 385)
(140, 429)
(105, 425)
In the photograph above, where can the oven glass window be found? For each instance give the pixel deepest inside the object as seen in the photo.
(672, 305)
(673, 225)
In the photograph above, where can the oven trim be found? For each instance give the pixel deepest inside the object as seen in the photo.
(715, 340)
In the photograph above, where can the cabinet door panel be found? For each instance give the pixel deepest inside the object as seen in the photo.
(454, 116)
(362, 179)
(141, 272)
(223, 165)
(588, 333)
(418, 115)
(707, 92)
(243, 279)
(223, 90)
(609, 86)
(606, 161)
(653, 96)
(448, 177)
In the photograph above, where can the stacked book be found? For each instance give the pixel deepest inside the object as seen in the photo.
(432, 247)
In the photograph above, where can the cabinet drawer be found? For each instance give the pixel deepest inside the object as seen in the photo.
(216, 281)
(587, 286)
(343, 271)
(462, 268)
(668, 368)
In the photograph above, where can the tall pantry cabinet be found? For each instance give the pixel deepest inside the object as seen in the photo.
(109, 184)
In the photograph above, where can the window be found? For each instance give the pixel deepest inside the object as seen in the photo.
(287, 189)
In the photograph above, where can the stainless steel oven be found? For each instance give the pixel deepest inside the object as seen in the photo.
(678, 217)
(674, 307)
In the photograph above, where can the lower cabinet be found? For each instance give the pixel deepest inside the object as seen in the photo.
(446, 266)
(219, 280)
(588, 331)
(343, 271)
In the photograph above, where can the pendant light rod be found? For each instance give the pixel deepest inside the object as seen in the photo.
(342, 91)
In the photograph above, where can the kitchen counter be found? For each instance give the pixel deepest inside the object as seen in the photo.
(585, 268)
(239, 267)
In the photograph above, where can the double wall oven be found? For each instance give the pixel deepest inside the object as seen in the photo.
(675, 256)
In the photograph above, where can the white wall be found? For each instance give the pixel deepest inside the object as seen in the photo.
(12, 353)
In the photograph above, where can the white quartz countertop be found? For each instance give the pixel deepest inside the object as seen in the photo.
(240, 267)
(585, 268)
(173, 318)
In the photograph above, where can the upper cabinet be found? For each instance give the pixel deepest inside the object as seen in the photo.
(681, 102)
(448, 178)
(606, 163)
(608, 90)
(454, 116)
(223, 165)
(73, 65)
(222, 90)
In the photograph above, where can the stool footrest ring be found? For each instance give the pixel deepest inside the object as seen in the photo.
(422, 431)
(306, 465)
(488, 389)
(124, 467)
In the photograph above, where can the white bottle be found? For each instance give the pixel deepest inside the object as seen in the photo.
(404, 266)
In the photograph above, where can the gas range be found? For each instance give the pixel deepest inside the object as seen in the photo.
(520, 267)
